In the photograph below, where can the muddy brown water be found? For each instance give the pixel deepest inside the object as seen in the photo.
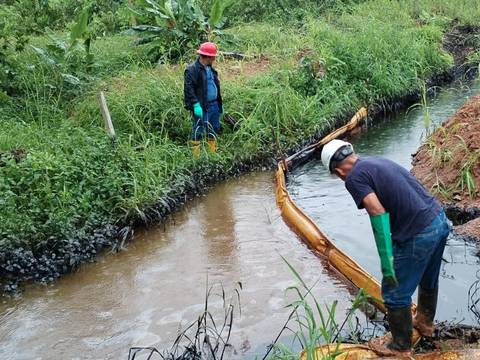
(142, 296)
(326, 200)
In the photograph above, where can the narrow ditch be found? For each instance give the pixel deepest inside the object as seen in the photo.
(325, 199)
(232, 234)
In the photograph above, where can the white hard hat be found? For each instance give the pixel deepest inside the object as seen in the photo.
(330, 149)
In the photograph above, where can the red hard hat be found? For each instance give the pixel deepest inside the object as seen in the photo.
(208, 49)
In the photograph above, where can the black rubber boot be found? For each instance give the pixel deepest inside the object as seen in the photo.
(400, 322)
(426, 308)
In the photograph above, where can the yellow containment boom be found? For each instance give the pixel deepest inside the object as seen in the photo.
(324, 247)
(309, 231)
(360, 352)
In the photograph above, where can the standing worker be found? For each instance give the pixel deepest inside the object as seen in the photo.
(405, 217)
(202, 96)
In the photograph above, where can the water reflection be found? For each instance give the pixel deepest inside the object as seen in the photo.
(218, 227)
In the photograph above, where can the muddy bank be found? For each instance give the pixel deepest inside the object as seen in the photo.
(461, 42)
(470, 230)
(449, 164)
(46, 263)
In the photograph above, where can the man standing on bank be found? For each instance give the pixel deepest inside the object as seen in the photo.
(202, 96)
(410, 230)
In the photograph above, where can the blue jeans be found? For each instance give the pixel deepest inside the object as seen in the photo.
(417, 262)
(210, 123)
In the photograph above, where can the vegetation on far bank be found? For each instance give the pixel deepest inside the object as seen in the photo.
(64, 186)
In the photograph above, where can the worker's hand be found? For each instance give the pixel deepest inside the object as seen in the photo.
(391, 281)
(197, 110)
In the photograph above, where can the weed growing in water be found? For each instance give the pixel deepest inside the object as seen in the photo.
(427, 119)
(204, 339)
(423, 105)
(317, 324)
(208, 337)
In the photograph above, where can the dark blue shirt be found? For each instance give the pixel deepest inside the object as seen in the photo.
(411, 207)
(212, 91)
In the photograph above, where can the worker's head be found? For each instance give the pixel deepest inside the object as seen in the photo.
(207, 52)
(338, 157)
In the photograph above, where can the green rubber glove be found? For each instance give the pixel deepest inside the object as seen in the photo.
(383, 239)
(197, 110)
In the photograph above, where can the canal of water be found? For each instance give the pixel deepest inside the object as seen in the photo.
(234, 233)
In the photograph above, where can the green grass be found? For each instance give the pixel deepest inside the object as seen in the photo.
(74, 180)
(466, 180)
(314, 324)
(265, 39)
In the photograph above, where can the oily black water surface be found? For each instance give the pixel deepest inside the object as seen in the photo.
(325, 199)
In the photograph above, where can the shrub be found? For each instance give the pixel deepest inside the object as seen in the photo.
(176, 27)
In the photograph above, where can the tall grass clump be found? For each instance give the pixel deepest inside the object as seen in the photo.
(377, 54)
(464, 12)
(316, 324)
(144, 104)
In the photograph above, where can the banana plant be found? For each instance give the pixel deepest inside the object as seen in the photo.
(62, 54)
(174, 27)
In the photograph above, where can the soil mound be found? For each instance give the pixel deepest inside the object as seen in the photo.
(470, 229)
(449, 165)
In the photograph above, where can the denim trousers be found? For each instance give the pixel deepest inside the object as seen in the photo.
(417, 262)
(210, 123)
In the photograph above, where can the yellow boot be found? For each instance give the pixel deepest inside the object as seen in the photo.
(195, 148)
(212, 145)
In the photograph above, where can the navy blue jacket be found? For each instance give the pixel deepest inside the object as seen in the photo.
(195, 86)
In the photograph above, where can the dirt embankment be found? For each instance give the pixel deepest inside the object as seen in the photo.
(449, 164)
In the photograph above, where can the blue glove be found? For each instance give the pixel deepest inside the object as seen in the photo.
(197, 110)
(222, 113)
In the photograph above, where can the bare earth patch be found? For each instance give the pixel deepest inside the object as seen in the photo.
(470, 228)
(449, 164)
(231, 69)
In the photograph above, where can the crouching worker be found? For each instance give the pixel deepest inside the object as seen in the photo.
(202, 96)
(410, 230)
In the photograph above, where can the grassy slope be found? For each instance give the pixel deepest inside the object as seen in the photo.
(74, 181)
